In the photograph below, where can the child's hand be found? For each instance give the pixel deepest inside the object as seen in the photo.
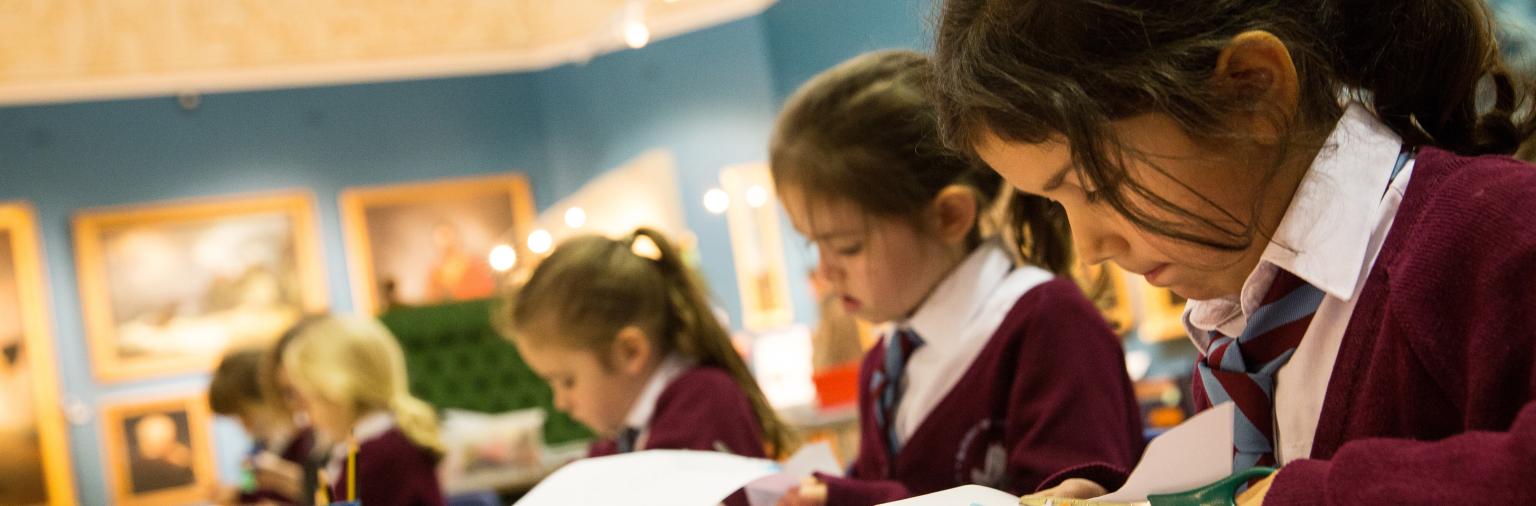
(811, 492)
(1073, 488)
(219, 493)
(1254, 496)
(278, 475)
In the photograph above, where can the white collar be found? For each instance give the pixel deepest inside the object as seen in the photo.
(367, 428)
(1325, 232)
(958, 298)
(645, 405)
(1324, 235)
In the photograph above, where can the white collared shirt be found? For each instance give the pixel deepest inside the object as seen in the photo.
(367, 428)
(955, 322)
(1329, 237)
(640, 413)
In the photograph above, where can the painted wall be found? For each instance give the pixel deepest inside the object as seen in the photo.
(709, 97)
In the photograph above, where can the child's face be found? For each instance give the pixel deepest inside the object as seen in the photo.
(881, 268)
(598, 396)
(1216, 186)
(332, 419)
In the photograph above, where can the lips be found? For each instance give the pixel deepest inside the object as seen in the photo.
(1153, 276)
(851, 304)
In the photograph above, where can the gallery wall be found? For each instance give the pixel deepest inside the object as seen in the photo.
(708, 96)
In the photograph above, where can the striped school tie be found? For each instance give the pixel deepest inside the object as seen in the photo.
(625, 442)
(1242, 370)
(886, 385)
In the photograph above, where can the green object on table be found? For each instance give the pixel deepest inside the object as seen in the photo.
(1221, 493)
(456, 359)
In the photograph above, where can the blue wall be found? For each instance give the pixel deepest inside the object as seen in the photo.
(709, 97)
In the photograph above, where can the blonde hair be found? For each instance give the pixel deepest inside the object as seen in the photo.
(592, 287)
(356, 362)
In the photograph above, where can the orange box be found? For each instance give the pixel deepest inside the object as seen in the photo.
(838, 385)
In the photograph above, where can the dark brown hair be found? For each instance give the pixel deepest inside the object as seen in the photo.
(237, 386)
(1029, 70)
(592, 287)
(865, 132)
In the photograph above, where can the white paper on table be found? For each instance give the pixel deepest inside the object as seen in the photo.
(649, 478)
(1195, 454)
(968, 495)
(810, 459)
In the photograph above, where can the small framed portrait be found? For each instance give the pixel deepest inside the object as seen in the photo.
(158, 451)
(165, 288)
(429, 243)
(34, 447)
(757, 246)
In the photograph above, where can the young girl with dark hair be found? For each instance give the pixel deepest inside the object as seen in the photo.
(1326, 181)
(993, 368)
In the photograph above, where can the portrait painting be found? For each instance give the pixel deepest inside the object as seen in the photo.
(34, 453)
(167, 288)
(158, 451)
(430, 243)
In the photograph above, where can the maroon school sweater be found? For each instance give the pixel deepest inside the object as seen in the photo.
(297, 452)
(701, 409)
(1431, 398)
(1046, 399)
(392, 471)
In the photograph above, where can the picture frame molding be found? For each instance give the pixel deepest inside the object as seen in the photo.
(115, 458)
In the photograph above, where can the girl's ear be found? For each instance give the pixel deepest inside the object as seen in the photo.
(632, 352)
(1257, 65)
(954, 213)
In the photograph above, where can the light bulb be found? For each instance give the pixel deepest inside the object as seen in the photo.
(757, 196)
(503, 257)
(636, 34)
(540, 241)
(575, 217)
(716, 201)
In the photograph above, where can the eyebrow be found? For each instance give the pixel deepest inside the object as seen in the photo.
(1059, 178)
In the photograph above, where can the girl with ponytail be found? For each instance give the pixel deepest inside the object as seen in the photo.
(348, 375)
(624, 334)
(1327, 181)
(969, 284)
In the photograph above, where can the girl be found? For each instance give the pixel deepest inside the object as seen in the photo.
(348, 375)
(1322, 180)
(627, 340)
(277, 458)
(978, 378)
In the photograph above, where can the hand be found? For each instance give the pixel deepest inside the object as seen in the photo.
(1073, 488)
(278, 475)
(811, 492)
(1254, 496)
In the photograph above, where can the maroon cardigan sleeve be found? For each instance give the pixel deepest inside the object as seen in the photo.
(1467, 307)
(1072, 412)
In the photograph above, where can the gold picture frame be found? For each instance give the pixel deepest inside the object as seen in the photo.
(757, 246)
(166, 287)
(1163, 314)
(390, 231)
(158, 451)
(36, 468)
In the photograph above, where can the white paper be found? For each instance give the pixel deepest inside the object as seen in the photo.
(968, 495)
(649, 478)
(810, 459)
(1196, 453)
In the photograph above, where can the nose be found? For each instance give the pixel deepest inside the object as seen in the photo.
(829, 271)
(1095, 233)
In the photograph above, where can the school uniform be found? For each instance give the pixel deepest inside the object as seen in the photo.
(1017, 384)
(391, 470)
(688, 407)
(293, 447)
(1413, 381)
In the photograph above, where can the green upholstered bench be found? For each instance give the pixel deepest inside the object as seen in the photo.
(457, 360)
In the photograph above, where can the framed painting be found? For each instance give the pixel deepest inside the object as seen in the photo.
(1163, 314)
(157, 451)
(35, 468)
(757, 246)
(165, 288)
(428, 243)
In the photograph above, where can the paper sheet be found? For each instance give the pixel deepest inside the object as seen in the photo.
(968, 495)
(649, 478)
(1195, 454)
(811, 458)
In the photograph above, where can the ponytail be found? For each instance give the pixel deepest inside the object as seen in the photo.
(418, 421)
(1425, 63)
(696, 333)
